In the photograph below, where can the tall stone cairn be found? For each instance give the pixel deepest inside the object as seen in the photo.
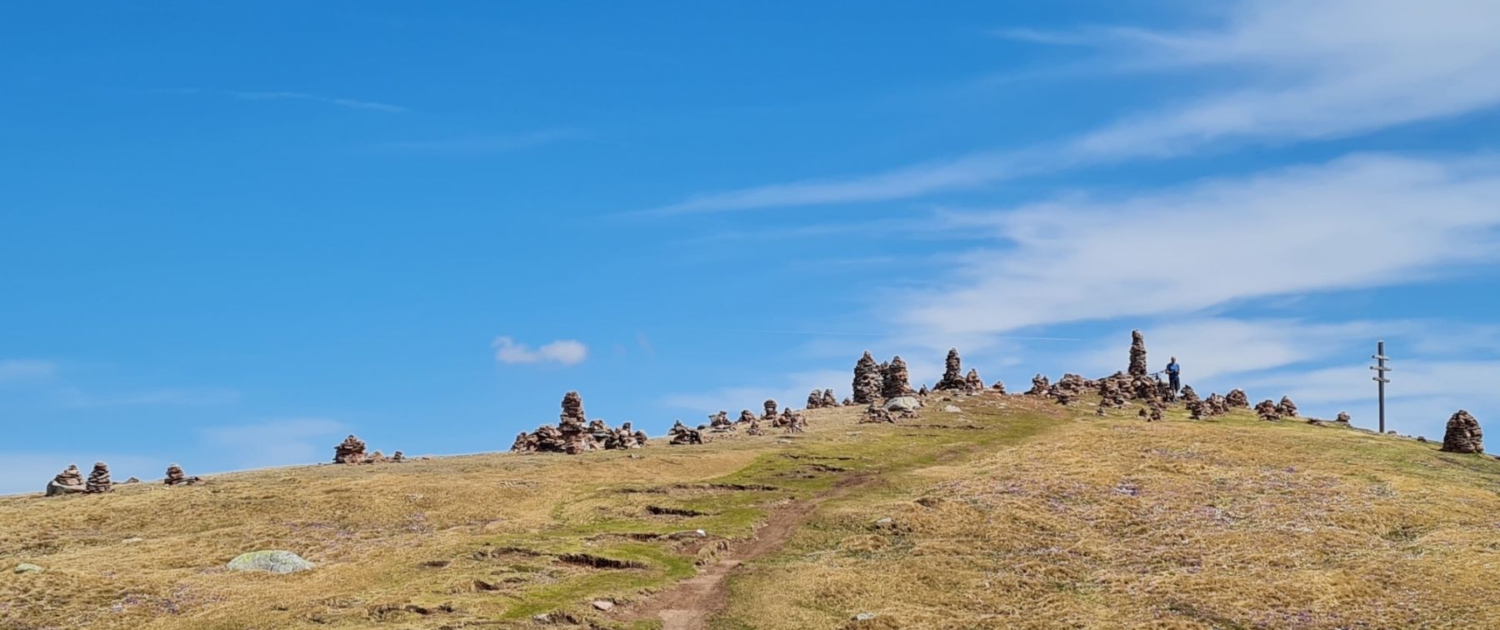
(99, 479)
(572, 410)
(895, 382)
(867, 380)
(953, 373)
(1237, 399)
(1463, 434)
(573, 425)
(1137, 354)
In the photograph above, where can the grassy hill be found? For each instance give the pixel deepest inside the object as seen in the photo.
(1014, 513)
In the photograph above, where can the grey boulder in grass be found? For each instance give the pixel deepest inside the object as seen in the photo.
(278, 562)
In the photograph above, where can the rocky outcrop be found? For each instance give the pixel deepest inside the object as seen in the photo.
(953, 375)
(895, 381)
(1463, 434)
(69, 481)
(868, 380)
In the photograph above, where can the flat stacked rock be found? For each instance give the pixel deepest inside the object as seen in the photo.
(1286, 408)
(1237, 399)
(895, 380)
(1343, 417)
(1268, 410)
(99, 482)
(868, 381)
(1040, 385)
(175, 477)
(350, 451)
(720, 423)
(998, 387)
(953, 374)
(398, 457)
(1463, 434)
(746, 417)
(69, 481)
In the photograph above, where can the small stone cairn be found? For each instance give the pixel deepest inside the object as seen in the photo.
(1268, 410)
(1286, 408)
(720, 423)
(770, 415)
(1463, 434)
(972, 383)
(1237, 399)
(875, 414)
(175, 477)
(350, 451)
(746, 417)
(1040, 385)
(998, 387)
(69, 481)
(1343, 417)
(682, 436)
(99, 482)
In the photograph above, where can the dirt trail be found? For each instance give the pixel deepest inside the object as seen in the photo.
(691, 603)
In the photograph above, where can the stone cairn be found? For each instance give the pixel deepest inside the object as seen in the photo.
(746, 417)
(350, 451)
(1342, 417)
(867, 380)
(1069, 388)
(755, 428)
(895, 381)
(1039, 386)
(175, 477)
(575, 433)
(720, 423)
(972, 383)
(815, 399)
(1463, 434)
(1267, 410)
(1237, 399)
(998, 387)
(792, 422)
(770, 415)
(573, 425)
(1215, 405)
(1138, 355)
(829, 401)
(1110, 393)
(99, 482)
(1286, 408)
(922, 393)
(1151, 411)
(953, 375)
(69, 481)
(682, 436)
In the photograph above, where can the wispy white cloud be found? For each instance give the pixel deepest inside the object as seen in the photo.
(1304, 70)
(277, 442)
(1363, 221)
(484, 144)
(565, 351)
(19, 370)
(296, 96)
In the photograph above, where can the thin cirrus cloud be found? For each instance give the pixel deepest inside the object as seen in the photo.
(564, 352)
(1305, 71)
(297, 96)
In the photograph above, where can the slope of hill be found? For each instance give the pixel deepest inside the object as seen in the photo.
(1013, 513)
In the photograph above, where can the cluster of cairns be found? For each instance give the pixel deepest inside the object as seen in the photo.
(352, 451)
(575, 434)
(72, 481)
(954, 379)
(681, 435)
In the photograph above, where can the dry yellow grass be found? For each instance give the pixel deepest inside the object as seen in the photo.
(1014, 514)
(1118, 523)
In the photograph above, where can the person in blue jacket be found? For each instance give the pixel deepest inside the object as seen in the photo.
(1174, 373)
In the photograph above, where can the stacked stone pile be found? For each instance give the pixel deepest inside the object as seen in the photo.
(1216, 404)
(1267, 410)
(875, 414)
(1343, 417)
(923, 392)
(972, 383)
(1138, 354)
(998, 387)
(99, 479)
(793, 422)
(770, 415)
(953, 375)
(350, 451)
(829, 401)
(895, 381)
(175, 477)
(681, 435)
(815, 399)
(1463, 434)
(1237, 399)
(1040, 385)
(720, 423)
(746, 417)
(69, 481)
(1068, 389)
(1286, 408)
(868, 381)
(398, 457)
(1110, 393)
(755, 428)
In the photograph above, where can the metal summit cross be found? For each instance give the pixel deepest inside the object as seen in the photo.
(1380, 371)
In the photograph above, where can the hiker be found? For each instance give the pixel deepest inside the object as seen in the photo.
(1174, 374)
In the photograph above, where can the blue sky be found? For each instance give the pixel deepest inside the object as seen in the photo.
(231, 233)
